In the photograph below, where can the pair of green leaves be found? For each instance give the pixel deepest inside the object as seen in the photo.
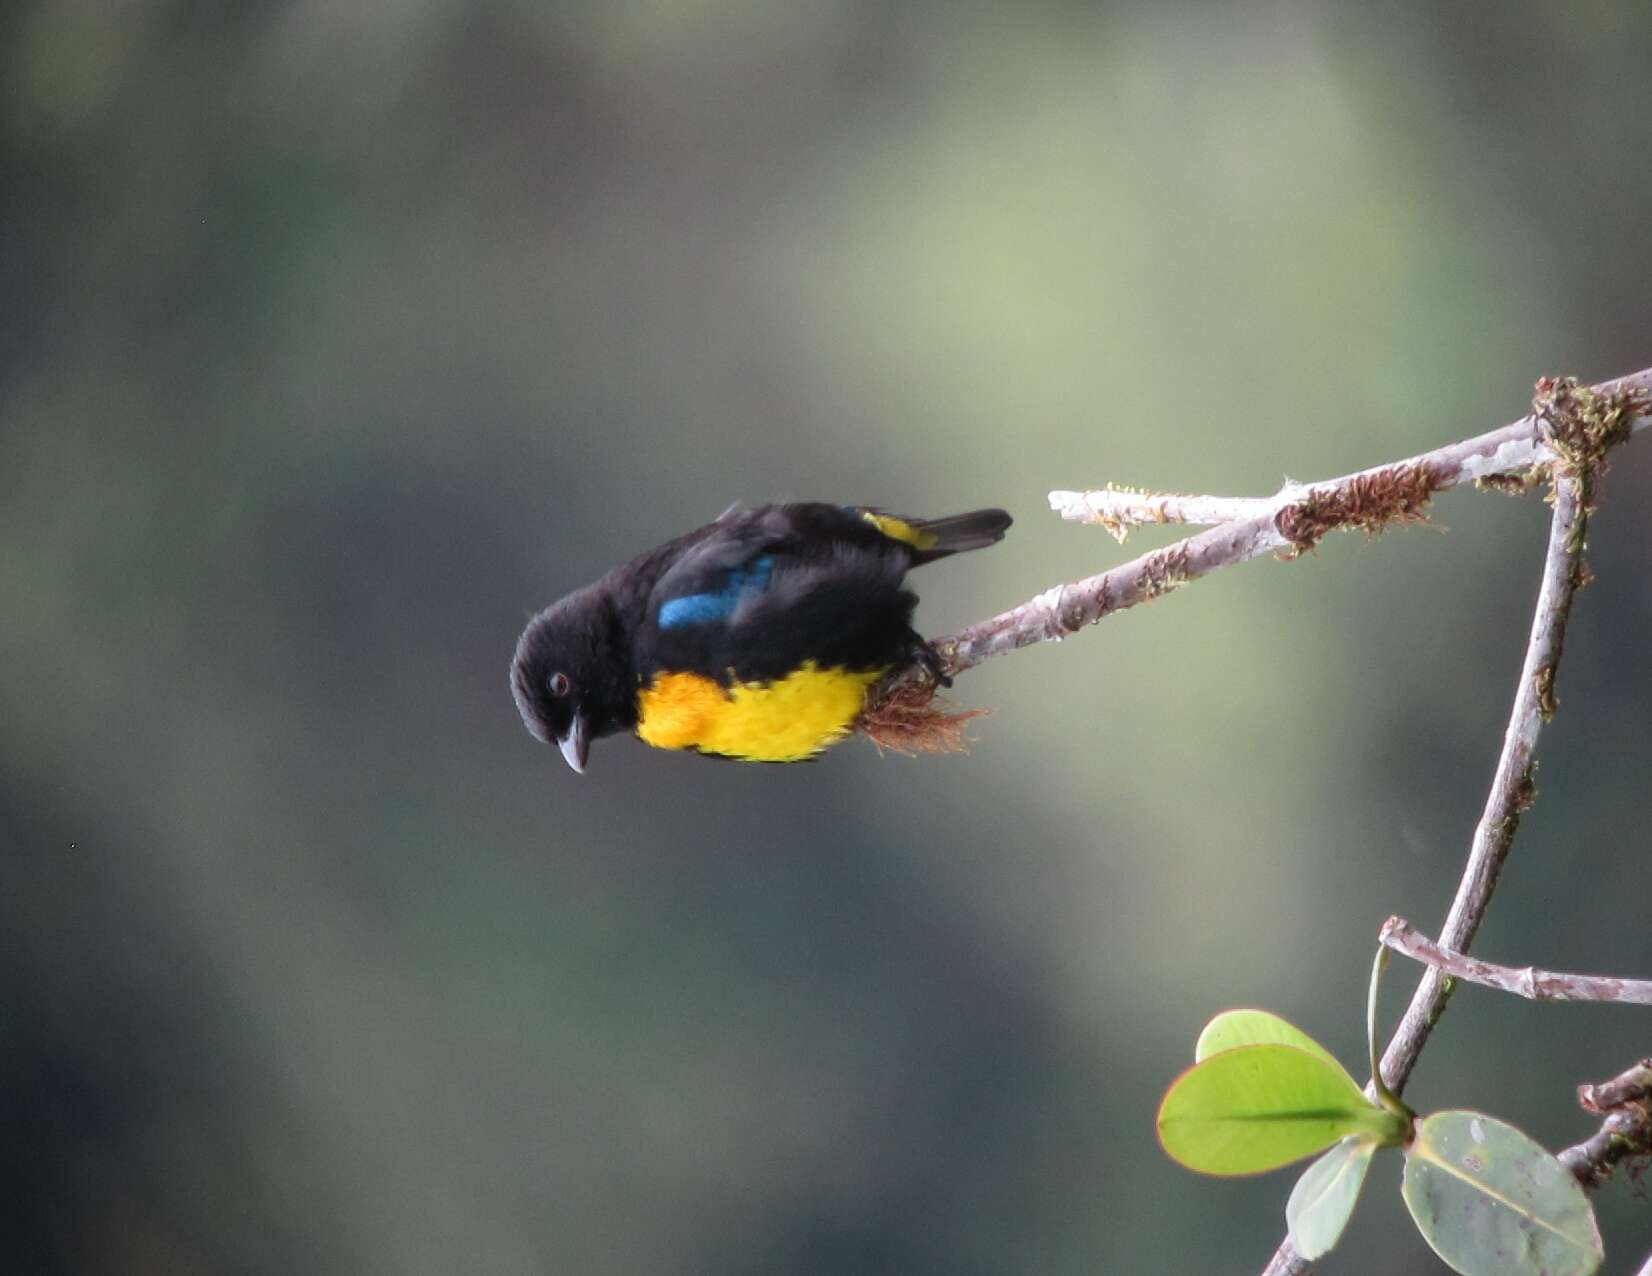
(1262, 1093)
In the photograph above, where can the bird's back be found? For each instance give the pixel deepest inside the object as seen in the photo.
(760, 634)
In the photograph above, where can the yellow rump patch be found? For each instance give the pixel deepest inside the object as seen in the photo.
(898, 529)
(786, 720)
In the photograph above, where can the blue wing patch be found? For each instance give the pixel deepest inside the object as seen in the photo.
(704, 609)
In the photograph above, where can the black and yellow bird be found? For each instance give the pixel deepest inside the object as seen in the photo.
(756, 637)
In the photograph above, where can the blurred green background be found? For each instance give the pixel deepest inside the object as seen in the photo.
(339, 338)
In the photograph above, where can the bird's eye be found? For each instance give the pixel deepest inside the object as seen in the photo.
(558, 685)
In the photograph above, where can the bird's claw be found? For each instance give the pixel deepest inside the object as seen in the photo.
(930, 660)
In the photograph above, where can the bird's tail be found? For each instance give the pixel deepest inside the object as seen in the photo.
(939, 537)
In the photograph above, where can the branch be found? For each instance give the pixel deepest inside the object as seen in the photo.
(1631, 1086)
(1286, 524)
(899, 715)
(1626, 1103)
(1527, 981)
(1118, 509)
(1512, 789)
(1513, 461)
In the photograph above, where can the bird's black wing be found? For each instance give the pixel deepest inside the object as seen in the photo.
(762, 593)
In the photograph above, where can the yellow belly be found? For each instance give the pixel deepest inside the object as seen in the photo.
(786, 720)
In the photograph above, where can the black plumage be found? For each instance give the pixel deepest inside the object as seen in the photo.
(747, 599)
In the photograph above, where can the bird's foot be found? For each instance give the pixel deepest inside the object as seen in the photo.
(930, 660)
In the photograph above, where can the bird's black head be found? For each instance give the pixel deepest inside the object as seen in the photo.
(572, 675)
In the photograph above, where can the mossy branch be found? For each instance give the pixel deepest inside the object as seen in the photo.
(1287, 525)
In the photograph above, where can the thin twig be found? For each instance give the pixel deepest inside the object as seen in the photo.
(1524, 981)
(1512, 789)
(1626, 1103)
(1118, 509)
(1623, 1135)
(1287, 524)
(1632, 1085)
(1511, 792)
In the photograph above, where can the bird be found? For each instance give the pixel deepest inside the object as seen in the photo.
(756, 637)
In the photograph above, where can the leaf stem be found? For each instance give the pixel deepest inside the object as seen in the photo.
(1384, 1095)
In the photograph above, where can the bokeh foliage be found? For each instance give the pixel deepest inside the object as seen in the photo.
(339, 337)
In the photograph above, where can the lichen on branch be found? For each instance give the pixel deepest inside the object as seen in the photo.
(1570, 426)
(1370, 502)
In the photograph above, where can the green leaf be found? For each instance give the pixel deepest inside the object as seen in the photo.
(1255, 1108)
(1323, 1199)
(1234, 1028)
(1489, 1200)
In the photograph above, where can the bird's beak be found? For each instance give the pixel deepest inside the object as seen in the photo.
(576, 745)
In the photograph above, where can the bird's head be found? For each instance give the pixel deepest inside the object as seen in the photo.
(572, 675)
